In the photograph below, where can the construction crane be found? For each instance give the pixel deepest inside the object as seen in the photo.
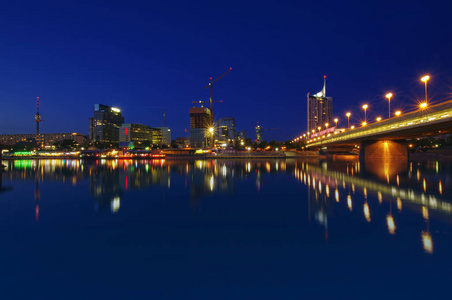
(270, 129)
(211, 92)
(201, 101)
(161, 131)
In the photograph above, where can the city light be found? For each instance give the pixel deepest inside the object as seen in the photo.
(348, 118)
(423, 105)
(397, 113)
(363, 123)
(389, 95)
(425, 79)
(365, 106)
(335, 121)
(378, 119)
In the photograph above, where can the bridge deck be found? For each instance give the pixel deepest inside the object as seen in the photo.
(435, 120)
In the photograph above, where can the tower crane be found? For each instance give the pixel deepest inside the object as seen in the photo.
(161, 130)
(201, 101)
(211, 91)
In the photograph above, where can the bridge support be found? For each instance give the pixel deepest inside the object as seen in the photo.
(384, 158)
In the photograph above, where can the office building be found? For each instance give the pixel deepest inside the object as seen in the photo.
(47, 139)
(320, 110)
(104, 126)
(139, 134)
(226, 131)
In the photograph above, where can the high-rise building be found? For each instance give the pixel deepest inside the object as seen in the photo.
(226, 130)
(259, 134)
(320, 109)
(104, 126)
(200, 119)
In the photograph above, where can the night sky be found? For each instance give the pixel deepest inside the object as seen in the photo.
(146, 57)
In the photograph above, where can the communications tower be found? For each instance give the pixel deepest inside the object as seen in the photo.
(37, 119)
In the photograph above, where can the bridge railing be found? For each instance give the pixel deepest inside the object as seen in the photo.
(436, 113)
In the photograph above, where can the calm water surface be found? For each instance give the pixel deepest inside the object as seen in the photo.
(224, 229)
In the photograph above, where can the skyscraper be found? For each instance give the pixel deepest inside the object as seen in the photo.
(104, 126)
(320, 109)
(259, 134)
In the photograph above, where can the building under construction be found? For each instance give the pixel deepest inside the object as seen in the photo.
(200, 120)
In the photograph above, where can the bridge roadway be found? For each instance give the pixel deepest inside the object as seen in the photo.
(435, 120)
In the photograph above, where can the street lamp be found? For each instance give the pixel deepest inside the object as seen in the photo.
(211, 136)
(319, 128)
(335, 121)
(389, 95)
(326, 125)
(365, 109)
(378, 119)
(348, 118)
(425, 79)
(364, 123)
(397, 113)
(423, 105)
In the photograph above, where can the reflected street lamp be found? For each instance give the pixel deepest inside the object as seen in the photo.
(389, 95)
(348, 118)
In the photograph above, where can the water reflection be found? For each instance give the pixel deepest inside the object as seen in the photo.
(397, 187)
(331, 185)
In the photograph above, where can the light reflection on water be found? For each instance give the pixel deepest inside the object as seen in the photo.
(333, 191)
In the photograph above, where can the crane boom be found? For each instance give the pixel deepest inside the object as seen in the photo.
(211, 93)
(161, 130)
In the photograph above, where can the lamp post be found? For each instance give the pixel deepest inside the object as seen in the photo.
(211, 136)
(365, 109)
(335, 121)
(326, 125)
(348, 119)
(389, 95)
(425, 79)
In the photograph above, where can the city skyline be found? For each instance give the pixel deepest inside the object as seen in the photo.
(145, 59)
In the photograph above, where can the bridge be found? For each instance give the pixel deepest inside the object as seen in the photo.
(387, 138)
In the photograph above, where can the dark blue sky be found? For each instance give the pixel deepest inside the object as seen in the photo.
(148, 56)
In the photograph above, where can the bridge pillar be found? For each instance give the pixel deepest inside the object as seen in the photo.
(384, 158)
